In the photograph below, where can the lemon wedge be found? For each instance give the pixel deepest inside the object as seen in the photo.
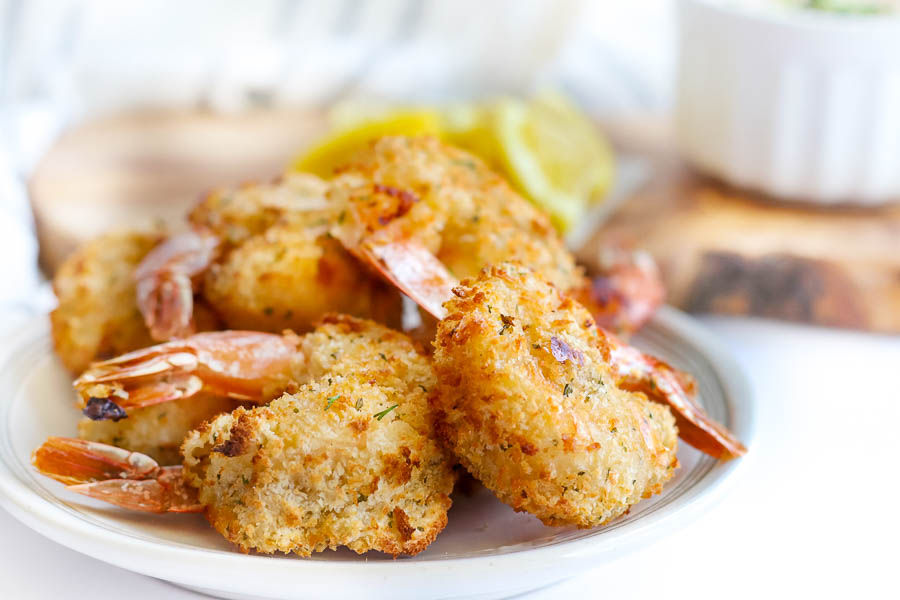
(554, 155)
(337, 148)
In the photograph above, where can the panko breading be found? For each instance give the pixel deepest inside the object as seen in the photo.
(280, 268)
(97, 316)
(289, 276)
(453, 204)
(237, 214)
(528, 404)
(159, 430)
(350, 459)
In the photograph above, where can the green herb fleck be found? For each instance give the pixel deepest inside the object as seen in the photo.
(361, 497)
(331, 401)
(567, 390)
(424, 389)
(382, 414)
(383, 357)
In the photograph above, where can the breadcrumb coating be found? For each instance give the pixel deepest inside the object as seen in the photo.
(97, 316)
(350, 459)
(280, 267)
(528, 404)
(452, 203)
(159, 430)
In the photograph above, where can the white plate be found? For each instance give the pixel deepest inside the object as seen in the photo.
(486, 551)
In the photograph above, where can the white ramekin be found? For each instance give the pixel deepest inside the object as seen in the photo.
(801, 105)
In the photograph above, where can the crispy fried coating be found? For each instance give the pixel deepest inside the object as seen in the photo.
(159, 430)
(237, 214)
(450, 201)
(350, 459)
(528, 404)
(280, 268)
(289, 276)
(97, 316)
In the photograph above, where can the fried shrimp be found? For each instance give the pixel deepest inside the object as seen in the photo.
(529, 404)
(451, 203)
(292, 274)
(402, 232)
(408, 192)
(263, 258)
(97, 315)
(349, 458)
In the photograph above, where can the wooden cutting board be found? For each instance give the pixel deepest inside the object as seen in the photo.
(721, 250)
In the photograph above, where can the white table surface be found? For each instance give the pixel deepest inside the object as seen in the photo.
(814, 512)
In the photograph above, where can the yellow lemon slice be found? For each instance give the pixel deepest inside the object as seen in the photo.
(554, 155)
(471, 128)
(335, 150)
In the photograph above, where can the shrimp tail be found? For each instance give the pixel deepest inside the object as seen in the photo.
(128, 479)
(625, 293)
(165, 281)
(243, 365)
(639, 372)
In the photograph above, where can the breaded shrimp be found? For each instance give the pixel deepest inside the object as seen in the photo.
(529, 403)
(349, 458)
(263, 258)
(292, 274)
(452, 204)
(421, 213)
(97, 316)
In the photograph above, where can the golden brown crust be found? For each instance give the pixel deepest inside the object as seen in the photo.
(350, 459)
(97, 316)
(279, 267)
(453, 204)
(159, 430)
(291, 274)
(528, 404)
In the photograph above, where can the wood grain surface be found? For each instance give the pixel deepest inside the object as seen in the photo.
(721, 250)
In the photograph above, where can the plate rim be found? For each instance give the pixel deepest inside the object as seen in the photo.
(122, 550)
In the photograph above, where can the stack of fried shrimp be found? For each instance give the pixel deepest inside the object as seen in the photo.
(320, 425)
